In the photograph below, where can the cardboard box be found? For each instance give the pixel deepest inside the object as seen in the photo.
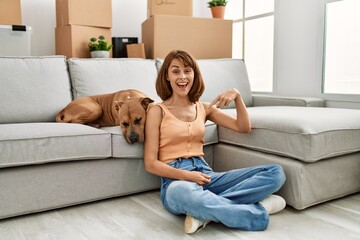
(73, 40)
(136, 50)
(10, 12)
(170, 7)
(95, 13)
(202, 37)
(119, 46)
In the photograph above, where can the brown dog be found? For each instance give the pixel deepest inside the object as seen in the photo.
(126, 108)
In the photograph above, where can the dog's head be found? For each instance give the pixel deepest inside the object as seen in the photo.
(131, 114)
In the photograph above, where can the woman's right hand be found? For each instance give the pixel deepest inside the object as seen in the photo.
(198, 177)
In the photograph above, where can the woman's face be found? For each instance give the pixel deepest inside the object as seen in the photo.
(181, 77)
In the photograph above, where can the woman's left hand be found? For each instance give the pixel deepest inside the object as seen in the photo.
(225, 98)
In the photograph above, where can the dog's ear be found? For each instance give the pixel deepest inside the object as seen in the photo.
(145, 102)
(118, 105)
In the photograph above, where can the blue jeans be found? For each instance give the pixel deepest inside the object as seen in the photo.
(231, 198)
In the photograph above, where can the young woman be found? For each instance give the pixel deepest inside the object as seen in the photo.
(174, 137)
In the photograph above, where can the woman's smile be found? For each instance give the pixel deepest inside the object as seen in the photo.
(182, 85)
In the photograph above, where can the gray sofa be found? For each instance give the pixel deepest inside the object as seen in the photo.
(46, 165)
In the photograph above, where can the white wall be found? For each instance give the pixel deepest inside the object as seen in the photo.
(40, 16)
(299, 26)
(127, 17)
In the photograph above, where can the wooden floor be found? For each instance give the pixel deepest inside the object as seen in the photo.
(142, 216)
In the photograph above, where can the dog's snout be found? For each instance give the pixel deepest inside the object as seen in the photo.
(134, 137)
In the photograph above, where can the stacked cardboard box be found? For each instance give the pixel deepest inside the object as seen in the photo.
(79, 20)
(170, 7)
(136, 50)
(10, 12)
(171, 26)
(202, 37)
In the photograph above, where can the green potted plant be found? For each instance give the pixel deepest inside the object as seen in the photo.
(99, 48)
(217, 8)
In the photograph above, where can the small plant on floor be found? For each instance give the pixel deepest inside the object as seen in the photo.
(99, 44)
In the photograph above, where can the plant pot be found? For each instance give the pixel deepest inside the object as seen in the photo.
(99, 54)
(218, 12)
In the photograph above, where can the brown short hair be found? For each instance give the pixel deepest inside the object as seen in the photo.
(163, 87)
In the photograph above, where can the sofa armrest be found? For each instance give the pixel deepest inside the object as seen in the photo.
(271, 100)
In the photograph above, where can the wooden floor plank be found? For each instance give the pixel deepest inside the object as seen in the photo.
(142, 216)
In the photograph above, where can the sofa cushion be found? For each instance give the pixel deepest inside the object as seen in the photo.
(221, 74)
(35, 143)
(121, 149)
(99, 76)
(33, 89)
(262, 100)
(305, 133)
